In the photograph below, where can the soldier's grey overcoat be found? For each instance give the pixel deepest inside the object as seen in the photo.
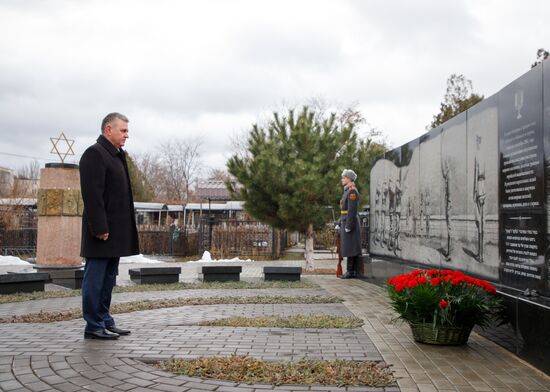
(350, 241)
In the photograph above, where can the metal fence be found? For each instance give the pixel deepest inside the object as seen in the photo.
(228, 238)
(18, 233)
(167, 240)
(223, 238)
(18, 242)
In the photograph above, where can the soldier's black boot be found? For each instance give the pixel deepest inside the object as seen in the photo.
(350, 272)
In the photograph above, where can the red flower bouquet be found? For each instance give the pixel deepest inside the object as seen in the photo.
(443, 298)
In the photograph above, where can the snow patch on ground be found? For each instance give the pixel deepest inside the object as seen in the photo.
(138, 259)
(12, 260)
(207, 258)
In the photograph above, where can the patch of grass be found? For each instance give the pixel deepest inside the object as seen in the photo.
(20, 297)
(127, 307)
(217, 285)
(244, 369)
(291, 256)
(296, 321)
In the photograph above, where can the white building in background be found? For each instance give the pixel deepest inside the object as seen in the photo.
(13, 185)
(6, 181)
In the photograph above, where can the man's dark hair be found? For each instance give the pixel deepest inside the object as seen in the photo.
(112, 117)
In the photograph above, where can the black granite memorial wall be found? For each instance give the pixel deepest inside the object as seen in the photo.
(474, 195)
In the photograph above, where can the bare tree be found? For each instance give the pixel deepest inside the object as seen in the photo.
(30, 171)
(25, 183)
(180, 161)
(239, 144)
(150, 166)
(218, 175)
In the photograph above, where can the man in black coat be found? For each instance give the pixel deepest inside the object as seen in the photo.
(350, 236)
(108, 224)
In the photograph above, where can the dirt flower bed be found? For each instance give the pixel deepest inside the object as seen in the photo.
(127, 307)
(296, 321)
(244, 369)
(20, 297)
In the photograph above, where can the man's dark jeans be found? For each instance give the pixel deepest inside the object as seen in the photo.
(97, 286)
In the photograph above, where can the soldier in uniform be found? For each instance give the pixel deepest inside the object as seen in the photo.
(350, 236)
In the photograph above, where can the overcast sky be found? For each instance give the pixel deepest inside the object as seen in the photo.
(210, 69)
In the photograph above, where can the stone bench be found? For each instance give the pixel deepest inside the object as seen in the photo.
(17, 282)
(282, 273)
(155, 275)
(70, 278)
(221, 273)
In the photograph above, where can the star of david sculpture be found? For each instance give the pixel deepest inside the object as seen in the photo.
(62, 152)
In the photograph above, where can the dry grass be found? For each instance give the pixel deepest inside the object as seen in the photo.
(127, 307)
(244, 369)
(295, 321)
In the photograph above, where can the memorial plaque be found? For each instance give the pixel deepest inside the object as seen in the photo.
(522, 249)
(54, 201)
(42, 202)
(521, 143)
(546, 117)
(522, 214)
(71, 200)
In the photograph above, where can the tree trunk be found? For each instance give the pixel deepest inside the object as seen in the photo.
(308, 252)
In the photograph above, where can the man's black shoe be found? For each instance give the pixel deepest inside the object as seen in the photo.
(119, 331)
(100, 334)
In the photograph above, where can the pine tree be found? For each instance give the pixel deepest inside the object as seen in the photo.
(291, 171)
(141, 189)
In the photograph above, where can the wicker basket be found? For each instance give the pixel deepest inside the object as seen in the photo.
(452, 336)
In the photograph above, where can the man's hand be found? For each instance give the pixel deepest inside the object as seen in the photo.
(103, 236)
(337, 227)
(347, 230)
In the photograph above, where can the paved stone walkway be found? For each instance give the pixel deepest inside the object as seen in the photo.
(55, 357)
(481, 365)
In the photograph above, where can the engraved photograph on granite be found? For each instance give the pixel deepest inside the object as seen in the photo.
(454, 195)
(429, 199)
(480, 250)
